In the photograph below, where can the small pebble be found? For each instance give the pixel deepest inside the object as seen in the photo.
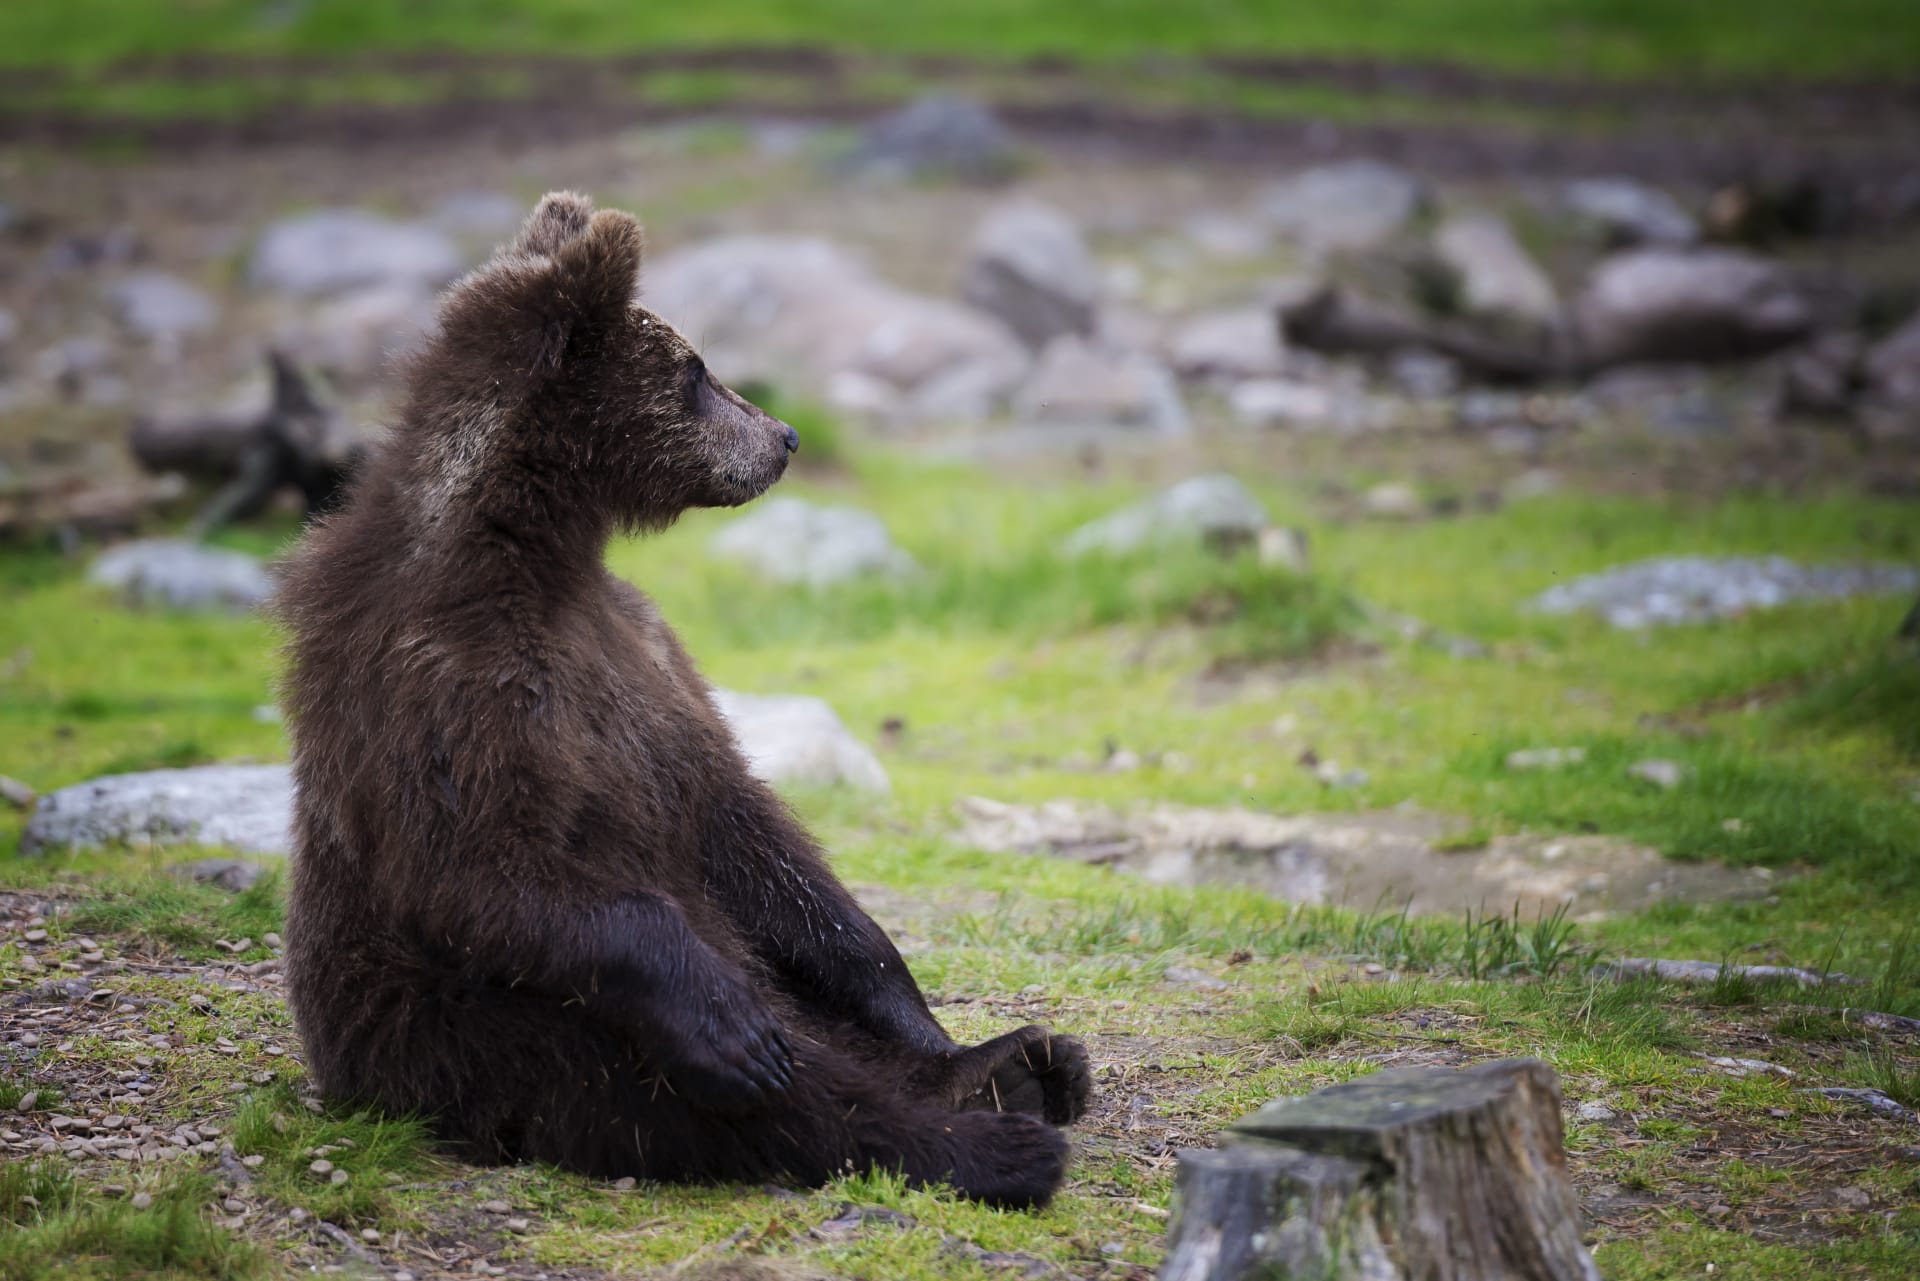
(624, 1185)
(35, 936)
(370, 1235)
(337, 1177)
(253, 1162)
(142, 1200)
(28, 1101)
(296, 1215)
(29, 1039)
(322, 1168)
(495, 1207)
(516, 1225)
(234, 1205)
(113, 1189)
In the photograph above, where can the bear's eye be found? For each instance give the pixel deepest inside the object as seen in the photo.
(696, 381)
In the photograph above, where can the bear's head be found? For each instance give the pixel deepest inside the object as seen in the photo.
(548, 375)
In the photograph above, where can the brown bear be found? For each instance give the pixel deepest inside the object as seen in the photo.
(536, 895)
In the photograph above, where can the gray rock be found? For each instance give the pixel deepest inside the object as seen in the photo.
(805, 314)
(1819, 378)
(1688, 305)
(1663, 774)
(166, 573)
(1215, 510)
(1892, 367)
(159, 306)
(359, 336)
(793, 541)
(331, 250)
(231, 874)
(1355, 205)
(1030, 267)
(483, 215)
(1536, 758)
(934, 137)
(1695, 589)
(1085, 384)
(1280, 547)
(1498, 280)
(243, 807)
(1288, 402)
(1240, 342)
(791, 738)
(1393, 500)
(1593, 1112)
(1630, 213)
(1228, 236)
(1188, 976)
(1424, 375)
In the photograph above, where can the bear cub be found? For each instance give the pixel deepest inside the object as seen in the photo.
(536, 896)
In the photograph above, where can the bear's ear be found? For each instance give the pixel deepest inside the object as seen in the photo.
(558, 218)
(596, 272)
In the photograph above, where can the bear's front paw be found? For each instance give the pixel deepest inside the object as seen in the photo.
(738, 1058)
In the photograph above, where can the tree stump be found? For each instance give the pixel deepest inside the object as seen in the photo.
(1413, 1175)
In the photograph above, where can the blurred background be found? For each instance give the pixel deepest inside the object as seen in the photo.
(1420, 454)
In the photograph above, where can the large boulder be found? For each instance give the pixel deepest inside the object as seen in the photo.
(1631, 213)
(1497, 280)
(1030, 266)
(359, 336)
(806, 314)
(1214, 510)
(1688, 305)
(1238, 342)
(331, 250)
(791, 540)
(934, 137)
(242, 807)
(791, 738)
(1355, 205)
(161, 307)
(1084, 384)
(164, 573)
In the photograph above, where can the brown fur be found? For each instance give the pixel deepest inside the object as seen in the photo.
(536, 894)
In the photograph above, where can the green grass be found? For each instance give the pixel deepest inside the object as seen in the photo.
(76, 1234)
(378, 1153)
(1613, 37)
(1012, 670)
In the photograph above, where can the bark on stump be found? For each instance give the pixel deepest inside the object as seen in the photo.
(1413, 1175)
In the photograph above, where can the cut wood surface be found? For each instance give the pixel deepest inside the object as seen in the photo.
(1415, 1175)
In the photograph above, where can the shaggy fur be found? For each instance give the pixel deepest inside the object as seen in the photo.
(536, 894)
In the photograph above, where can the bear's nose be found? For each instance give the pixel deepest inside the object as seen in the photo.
(792, 438)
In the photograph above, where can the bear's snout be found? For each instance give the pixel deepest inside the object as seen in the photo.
(791, 437)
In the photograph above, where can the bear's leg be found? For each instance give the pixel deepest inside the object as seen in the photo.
(806, 928)
(517, 1076)
(612, 1115)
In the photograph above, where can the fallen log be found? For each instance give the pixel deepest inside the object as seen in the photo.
(298, 441)
(1340, 322)
(1412, 1175)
